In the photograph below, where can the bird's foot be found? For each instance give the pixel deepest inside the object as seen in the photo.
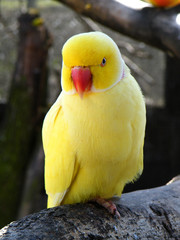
(109, 205)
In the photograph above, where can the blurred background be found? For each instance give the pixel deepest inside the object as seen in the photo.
(32, 34)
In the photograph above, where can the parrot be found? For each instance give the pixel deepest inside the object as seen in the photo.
(93, 135)
(164, 3)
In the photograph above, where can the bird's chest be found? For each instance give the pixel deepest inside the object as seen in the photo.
(98, 130)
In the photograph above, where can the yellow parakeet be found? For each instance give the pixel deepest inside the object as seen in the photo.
(93, 135)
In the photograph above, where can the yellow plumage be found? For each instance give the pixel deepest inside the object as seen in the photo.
(93, 145)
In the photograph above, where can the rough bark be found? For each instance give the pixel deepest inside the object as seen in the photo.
(146, 214)
(154, 26)
(23, 111)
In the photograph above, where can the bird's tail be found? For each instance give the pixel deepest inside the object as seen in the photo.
(55, 200)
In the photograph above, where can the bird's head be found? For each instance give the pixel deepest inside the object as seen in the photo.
(91, 63)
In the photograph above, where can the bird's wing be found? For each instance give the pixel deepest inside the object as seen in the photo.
(60, 160)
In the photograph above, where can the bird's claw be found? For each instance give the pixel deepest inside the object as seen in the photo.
(109, 205)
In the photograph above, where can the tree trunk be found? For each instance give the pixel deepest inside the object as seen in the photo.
(146, 214)
(23, 113)
(34, 198)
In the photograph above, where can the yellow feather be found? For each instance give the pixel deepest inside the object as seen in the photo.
(94, 146)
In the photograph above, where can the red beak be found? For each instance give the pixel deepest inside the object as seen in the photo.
(82, 79)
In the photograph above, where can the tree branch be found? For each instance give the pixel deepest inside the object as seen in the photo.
(153, 213)
(153, 26)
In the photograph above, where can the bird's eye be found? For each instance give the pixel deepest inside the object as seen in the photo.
(103, 62)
